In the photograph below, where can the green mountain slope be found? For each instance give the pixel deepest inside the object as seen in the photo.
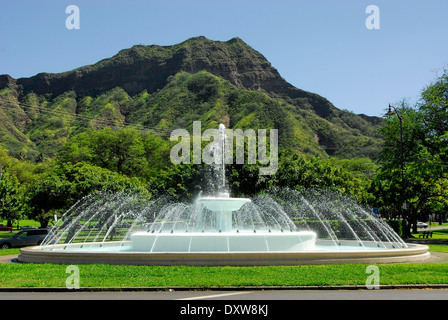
(163, 88)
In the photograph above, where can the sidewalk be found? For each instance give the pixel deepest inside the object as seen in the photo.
(9, 258)
(437, 257)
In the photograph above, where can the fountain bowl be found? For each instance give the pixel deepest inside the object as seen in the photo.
(223, 204)
(92, 253)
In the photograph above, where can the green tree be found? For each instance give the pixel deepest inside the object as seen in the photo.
(297, 172)
(117, 150)
(413, 162)
(127, 151)
(12, 200)
(57, 191)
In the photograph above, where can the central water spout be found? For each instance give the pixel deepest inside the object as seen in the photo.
(222, 205)
(222, 131)
(219, 160)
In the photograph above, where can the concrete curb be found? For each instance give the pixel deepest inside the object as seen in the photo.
(248, 288)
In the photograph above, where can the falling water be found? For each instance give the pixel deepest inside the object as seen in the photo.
(334, 217)
(218, 152)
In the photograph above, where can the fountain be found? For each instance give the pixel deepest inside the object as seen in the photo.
(222, 234)
(285, 227)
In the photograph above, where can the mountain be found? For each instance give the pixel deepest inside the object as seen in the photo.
(167, 87)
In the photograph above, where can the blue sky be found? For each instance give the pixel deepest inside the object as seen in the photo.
(322, 46)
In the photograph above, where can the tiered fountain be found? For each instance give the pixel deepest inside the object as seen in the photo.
(211, 226)
(286, 227)
(220, 236)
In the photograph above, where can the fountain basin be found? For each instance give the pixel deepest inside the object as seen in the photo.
(89, 254)
(223, 242)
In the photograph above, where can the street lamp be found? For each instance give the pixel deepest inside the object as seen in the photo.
(400, 117)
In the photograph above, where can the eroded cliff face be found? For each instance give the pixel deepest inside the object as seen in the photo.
(148, 67)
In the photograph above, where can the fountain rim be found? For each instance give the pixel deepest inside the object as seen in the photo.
(236, 203)
(413, 253)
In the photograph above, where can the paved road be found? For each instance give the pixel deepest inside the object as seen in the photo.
(284, 295)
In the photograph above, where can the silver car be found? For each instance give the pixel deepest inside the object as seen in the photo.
(422, 225)
(25, 238)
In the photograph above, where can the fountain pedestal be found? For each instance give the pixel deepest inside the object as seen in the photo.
(224, 221)
(223, 207)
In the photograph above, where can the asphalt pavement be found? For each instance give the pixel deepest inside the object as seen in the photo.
(255, 295)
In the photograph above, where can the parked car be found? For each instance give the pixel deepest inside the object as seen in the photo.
(25, 238)
(422, 225)
(5, 228)
(28, 227)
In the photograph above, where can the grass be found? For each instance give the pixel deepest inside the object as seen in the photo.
(438, 248)
(47, 275)
(7, 252)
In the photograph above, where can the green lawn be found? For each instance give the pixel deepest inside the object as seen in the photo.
(47, 275)
(7, 252)
(438, 247)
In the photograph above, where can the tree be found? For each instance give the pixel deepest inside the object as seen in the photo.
(57, 191)
(126, 151)
(12, 200)
(413, 161)
(297, 172)
(117, 150)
